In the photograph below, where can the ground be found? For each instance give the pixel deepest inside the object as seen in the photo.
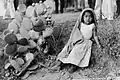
(103, 62)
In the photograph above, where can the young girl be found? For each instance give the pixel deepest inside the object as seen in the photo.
(78, 49)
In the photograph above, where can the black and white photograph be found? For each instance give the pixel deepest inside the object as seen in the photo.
(59, 39)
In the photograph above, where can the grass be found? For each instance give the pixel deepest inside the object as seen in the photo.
(105, 62)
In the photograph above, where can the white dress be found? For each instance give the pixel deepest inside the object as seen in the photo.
(81, 52)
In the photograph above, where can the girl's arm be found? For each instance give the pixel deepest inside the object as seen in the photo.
(95, 37)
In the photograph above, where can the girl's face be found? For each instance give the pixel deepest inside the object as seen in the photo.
(87, 18)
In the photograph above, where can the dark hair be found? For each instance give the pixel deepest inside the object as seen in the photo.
(92, 15)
